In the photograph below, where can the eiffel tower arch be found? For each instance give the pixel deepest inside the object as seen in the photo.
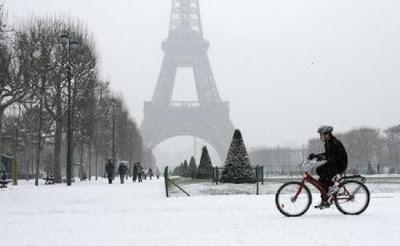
(208, 118)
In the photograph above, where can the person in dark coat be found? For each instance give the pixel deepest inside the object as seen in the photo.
(336, 160)
(150, 173)
(157, 173)
(135, 171)
(110, 171)
(122, 170)
(139, 172)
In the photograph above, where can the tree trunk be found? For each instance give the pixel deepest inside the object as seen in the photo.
(39, 144)
(90, 160)
(1, 130)
(32, 161)
(28, 168)
(96, 163)
(57, 152)
(58, 142)
(103, 165)
(81, 161)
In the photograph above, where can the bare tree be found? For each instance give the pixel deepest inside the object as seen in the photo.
(367, 151)
(12, 85)
(393, 145)
(40, 38)
(33, 73)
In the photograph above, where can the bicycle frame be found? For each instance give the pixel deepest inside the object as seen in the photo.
(310, 179)
(307, 177)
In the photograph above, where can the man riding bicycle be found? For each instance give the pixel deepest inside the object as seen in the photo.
(336, 161)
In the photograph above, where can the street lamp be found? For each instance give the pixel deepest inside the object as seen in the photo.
(70, 45)
(113, 102)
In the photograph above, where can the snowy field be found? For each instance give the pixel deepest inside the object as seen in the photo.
(95, 213)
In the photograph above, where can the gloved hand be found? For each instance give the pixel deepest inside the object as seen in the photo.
(312, 156)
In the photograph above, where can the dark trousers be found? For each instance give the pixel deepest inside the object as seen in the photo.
(121, 176)
(139, 177)
(110, 178)
(326, 172)
(134, 177)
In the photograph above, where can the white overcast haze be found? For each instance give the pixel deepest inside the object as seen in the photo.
(285, 66)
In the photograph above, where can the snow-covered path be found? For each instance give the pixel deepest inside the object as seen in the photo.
(95, 213)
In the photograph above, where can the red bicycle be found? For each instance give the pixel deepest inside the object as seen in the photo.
(294, 198)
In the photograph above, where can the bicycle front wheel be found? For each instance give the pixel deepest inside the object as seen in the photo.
(293, 199)
(352, 198)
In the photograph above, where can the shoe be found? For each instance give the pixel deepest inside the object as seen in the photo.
(332, 190)
(322, 205)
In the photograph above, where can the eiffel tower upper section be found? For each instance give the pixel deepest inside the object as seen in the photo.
(185, 23)
(186, 47)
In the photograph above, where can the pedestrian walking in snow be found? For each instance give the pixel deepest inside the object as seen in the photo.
(157, 173)
(110, 171)
(122, 169)
(139, 172)
(135, 171)
(150, 173)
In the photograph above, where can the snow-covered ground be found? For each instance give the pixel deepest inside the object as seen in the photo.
(95, 213)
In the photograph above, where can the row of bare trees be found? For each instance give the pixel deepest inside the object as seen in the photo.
(370, 151)
(36, 71)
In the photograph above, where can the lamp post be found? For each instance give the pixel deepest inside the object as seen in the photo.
(69, 45)
(113, 101)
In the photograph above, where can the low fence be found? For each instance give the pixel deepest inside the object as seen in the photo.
(186, 186)
(267, 181)
(352, 168)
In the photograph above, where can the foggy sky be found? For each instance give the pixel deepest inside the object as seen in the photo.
(285, 66)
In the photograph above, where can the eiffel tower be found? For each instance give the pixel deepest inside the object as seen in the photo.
(207, 118)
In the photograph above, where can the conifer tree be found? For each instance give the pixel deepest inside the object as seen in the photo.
(205, 170)
(192, 170)
(176, 171)
(185, 169)
(237, 165)
(180, 170)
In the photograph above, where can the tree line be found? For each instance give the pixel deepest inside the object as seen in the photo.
(40, 77)
(191, 170)
(369, 150)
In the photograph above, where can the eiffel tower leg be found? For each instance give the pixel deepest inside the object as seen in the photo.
(205, 82)
(166, 81)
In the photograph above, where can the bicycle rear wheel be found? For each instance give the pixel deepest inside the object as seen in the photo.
(293, 199)
(352, 198)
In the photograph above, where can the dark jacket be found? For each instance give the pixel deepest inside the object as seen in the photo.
(139, 169)
(335, 154)
(122, 169)
(110, 168)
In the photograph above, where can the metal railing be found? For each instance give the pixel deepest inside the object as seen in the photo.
(176, 184)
